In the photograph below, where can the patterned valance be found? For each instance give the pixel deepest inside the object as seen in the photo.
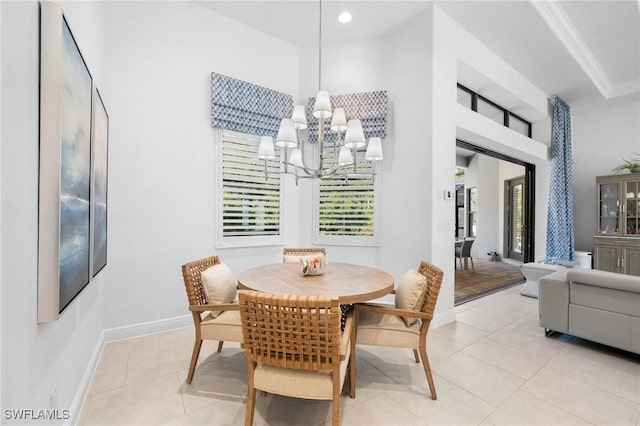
(245, 107)
(369, 107)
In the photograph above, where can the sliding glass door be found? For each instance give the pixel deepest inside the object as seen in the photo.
(514, 218)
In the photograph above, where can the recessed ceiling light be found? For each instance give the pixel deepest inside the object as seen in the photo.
(344, 17)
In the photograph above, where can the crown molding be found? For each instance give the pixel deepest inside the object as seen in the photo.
(556, 18)
(626, 88)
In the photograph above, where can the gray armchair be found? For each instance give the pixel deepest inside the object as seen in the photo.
(464, 250)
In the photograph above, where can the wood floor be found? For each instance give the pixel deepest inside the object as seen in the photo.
(487, 278)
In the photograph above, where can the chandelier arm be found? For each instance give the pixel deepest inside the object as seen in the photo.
(309, 171)
(286, 159)
(302, 150)
(355, 159)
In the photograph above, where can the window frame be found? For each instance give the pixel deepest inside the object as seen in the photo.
(507, 115)
(472, 212)
(349, 240)
(222, 241)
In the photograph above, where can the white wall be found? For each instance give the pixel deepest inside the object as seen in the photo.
(38, 358)
(0, 211)
(461, 49)
(162, 155)
(601, 139)
(482, 174)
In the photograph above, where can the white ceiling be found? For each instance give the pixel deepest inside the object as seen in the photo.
(587, 52)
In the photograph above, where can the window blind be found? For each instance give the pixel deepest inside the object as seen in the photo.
(246, 107)
(250, 203)
(346, 203)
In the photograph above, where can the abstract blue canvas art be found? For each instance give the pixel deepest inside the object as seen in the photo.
(75, 170)
(99, 177)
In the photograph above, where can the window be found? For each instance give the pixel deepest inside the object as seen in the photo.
(519, 125)
(489, 109)
(472, 196)
(249, 205)
(346, 207)
(465, 97)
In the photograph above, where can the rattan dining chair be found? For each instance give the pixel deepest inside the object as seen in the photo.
(293, 254)
(295, 347)
(225, 326)
(383, 326)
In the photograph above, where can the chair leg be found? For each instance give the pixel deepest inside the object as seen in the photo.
(194, 359)
(473, 268)
(415, 355)
(251, 405)
(220, 343)
(335, 411)
(352, 368)
(427, 371)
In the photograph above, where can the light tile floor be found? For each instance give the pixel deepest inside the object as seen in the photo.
(494, 366)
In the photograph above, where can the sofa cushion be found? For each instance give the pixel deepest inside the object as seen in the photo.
(606, 299)
(605, 279)
(554, 301)
(608, 328)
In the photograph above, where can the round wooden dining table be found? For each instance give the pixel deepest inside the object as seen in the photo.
(349, 283)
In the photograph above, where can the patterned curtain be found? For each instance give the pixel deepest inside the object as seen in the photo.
(245, 107)
(560, 238)
(369, 107)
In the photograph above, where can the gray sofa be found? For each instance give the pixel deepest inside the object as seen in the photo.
(600, 306)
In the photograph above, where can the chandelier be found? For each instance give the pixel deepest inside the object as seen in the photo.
(342, 156)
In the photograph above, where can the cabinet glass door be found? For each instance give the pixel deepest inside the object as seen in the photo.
(609, 211)
(632, 208)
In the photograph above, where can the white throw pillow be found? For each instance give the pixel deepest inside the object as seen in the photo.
(410, 293)
(219, 285)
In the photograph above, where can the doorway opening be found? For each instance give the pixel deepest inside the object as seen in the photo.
(514, 218)
(500, 219)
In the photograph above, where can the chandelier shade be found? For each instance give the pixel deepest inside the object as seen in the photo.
(287, 137)
(345, 158)
(374, 150)
(354, 138)
(299, 117)
(296, 157)
(339, 120)
(322, 106)
(265, 149)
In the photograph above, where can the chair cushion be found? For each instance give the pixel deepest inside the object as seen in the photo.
(219, 285)
(298, 383)
(410, 293)
(224, 326)
(386, 330)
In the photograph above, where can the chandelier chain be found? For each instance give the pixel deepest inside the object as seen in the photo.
(320, 45)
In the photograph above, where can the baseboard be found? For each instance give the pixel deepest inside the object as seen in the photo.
(83, 387)
(443, 318)
(144, 328)
(111, 335)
